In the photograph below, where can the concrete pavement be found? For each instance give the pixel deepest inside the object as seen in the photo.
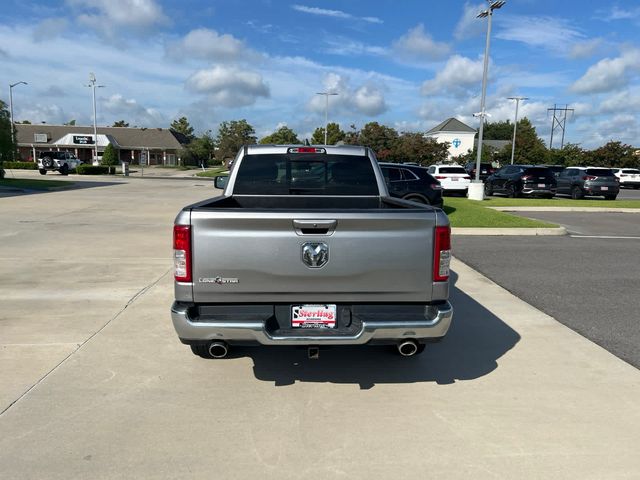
(96, 385)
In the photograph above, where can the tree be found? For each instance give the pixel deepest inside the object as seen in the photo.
(571, 155)
(110, 157)
(530, 149)
(120, 123)
(282, 136)
(612, 154)
(232, 135)
(334, 135)
(7, 146)
(182, 126)
(414, 147)
(71, 123)
(380, 138)
(498, 130)
(200, 151)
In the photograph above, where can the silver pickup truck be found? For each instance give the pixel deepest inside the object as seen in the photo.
(305, 247)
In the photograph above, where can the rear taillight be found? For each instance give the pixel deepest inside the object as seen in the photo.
(467, 177)
(435, 186)
(441, 254)
(589, 177)
(526, 177)
(306, 150)
(440, 177)
(182, 252)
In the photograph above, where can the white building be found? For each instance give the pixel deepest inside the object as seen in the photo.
(460, 136)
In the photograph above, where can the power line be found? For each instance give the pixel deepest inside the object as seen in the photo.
(559, 121)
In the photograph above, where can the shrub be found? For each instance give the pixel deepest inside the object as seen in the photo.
(21, 165)
(92, 169)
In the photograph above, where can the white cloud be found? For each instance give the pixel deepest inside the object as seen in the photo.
(554, 34)
(456, 77)
(49, 28)
(109, 17)
(585, 49)
(469, 25)
(229, 86)
(39, 113)
(609, 73)
(417, 45)
(367, 99)
(133, 112)
(627, 101)
(333, 13)
(344, 46)
(618, 13)
(206, 44)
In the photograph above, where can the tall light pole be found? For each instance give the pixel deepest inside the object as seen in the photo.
(515, 126)
(93, 86)
(326, 113)
(13, 150)
(493, 5)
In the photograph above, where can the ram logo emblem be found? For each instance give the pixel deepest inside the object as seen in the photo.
(315, 255)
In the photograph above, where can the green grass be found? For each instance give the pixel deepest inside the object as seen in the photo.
(558, 202)
(463, 212)
(34, 184)
(214, 172)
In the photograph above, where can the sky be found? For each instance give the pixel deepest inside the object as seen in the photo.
(407, 64)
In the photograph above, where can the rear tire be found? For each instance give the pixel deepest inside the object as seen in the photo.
(64, 170)
(422, 200)
(512, 191)
(610, 197)
(488, 190)
(42, 171)
(577, 193)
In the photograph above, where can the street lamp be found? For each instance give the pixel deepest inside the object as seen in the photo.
(515, 125)
(93, 86)
(493, 5)
(13, 150)
(326, 113)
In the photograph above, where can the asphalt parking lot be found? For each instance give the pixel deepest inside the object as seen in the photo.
(587, 280)
(94, 383)
(629, 194)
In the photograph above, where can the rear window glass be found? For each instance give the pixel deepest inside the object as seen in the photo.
(538, 171)
(305, 174)
(630, 170)
(452, 170)
(600, 172)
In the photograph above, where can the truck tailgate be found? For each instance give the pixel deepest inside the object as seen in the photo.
(242, 256)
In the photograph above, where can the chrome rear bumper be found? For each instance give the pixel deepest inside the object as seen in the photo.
(433, 325)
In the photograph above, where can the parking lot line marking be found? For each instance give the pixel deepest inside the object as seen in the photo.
(605, 236)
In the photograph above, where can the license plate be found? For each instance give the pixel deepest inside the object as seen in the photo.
(483, 171)
(604, 188)
(455, 179)
(313, 316)
(541, 185)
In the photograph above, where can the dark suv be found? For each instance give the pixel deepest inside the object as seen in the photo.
(588, 181)
(518, 180)
(412, 182)
(486, 169)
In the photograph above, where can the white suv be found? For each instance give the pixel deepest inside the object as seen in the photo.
(62, 162)
(453, 178)
(629, 177)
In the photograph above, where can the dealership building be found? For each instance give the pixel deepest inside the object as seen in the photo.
(149, 146)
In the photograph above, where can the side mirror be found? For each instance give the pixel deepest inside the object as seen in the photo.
(221, 181)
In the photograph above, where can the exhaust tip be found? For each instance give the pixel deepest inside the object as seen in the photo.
(314, 353)
(218, 349)
(408, 348)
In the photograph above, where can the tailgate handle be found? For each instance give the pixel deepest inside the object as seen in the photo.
(314, 227)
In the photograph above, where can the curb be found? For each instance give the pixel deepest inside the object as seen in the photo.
(566, 209)
(509, 231)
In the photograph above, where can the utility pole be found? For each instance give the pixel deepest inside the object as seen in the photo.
(326, 113)
(13, 140)
(515, 126)
(93, 86)
(559, 121)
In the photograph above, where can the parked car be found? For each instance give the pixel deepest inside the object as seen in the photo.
(629, 177)
(412, 182)
(486, 169)
(53, 161)
(518, 180)
(580, 182)
(453, 178)
(556, 169)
